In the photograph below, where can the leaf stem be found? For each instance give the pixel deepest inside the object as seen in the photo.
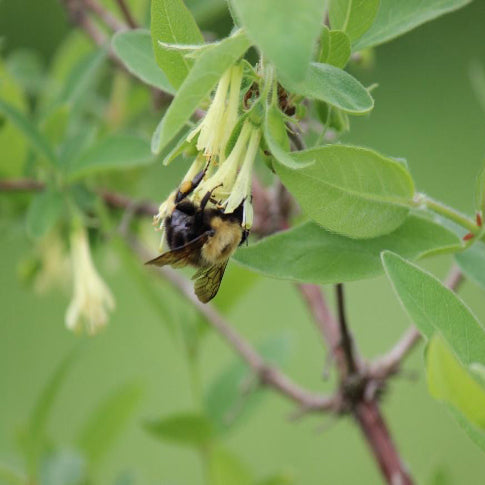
(448, 212)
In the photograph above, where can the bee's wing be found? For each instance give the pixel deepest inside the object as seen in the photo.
(208, 280)
(180, 257)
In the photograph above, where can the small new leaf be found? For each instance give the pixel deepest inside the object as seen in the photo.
(352, 16)
(172, 22)
(286, 31)
(335, 47)
(134, 48)
(334, 86)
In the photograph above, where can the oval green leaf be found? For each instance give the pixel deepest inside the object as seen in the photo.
(134, 49)
(334, 48)
(311, 254)
(396, 17)
(436, 309)
(172, 22)
(334, 86)
(115, 152)
(204, 75)
(349, 190)
(286, 31)
(352, 16)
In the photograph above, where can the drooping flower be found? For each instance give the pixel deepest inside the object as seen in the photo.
(92, 300)
(221, 117)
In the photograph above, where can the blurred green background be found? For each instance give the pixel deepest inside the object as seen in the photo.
(425, 112)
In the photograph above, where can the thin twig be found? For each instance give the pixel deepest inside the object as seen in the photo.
(114, 200)
(390, 363)
(345, 337)
(325, 321)
(105, 15)
(130, 20)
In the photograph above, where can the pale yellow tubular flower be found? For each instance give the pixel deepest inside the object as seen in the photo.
(221, 117)
(212, 128)
(221, 183)
(241, 191)
(92, 300)
(231, 113)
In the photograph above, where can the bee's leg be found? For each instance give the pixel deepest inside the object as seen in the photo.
(208, 197)
(187, 187)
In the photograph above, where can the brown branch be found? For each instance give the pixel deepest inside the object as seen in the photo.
(105, 15)
(114, 200)
(375, 431)
(130, 20)
(391, 362)
(345, 337)
(20, 185)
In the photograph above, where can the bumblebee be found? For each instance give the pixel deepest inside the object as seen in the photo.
(202, 237)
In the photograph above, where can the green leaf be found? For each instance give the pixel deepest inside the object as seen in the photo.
(204, 75)
(173, 23)
(475, 434)
(332, 117)
(334, 48)
(436, 309)
(188, 429)
(276, 137)
(34, 440)
(472, 262)
(38, 142)
(396, 17)
(349, 190)
(116, 152)
(82, 78)
(226, 468)
(334, 86)
(286, 31)
(105, 424)
(480, 192)
(235, 393)
(44, 212)
(354, 17)
(134, 48)
(450, 382)
(312, 254)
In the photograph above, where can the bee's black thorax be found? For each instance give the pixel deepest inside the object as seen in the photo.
(187, 222)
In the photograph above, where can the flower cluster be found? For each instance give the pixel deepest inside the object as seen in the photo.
(227, 176)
